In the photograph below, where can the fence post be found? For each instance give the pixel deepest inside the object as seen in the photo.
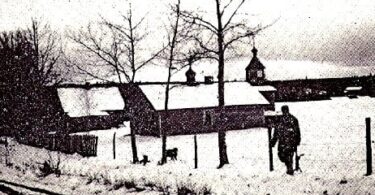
(368, 147)
(195, 152)
(270, 148)
(53, 142)
(7, 152)
(96, 146)
(114, 145)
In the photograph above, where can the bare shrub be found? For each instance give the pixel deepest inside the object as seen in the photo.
(185, 190)
(8, 149)
(50, 166)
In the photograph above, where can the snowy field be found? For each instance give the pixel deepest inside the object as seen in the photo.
(333, 144)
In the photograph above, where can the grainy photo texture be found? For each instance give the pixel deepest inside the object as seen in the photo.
(187, 96)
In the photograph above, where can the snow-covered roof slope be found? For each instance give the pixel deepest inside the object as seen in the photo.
(353, 89)
(203, 95)
(265, 88)
(85, 102)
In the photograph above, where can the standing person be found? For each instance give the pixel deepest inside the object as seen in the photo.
(288, 134)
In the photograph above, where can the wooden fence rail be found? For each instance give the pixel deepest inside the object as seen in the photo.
(85, 145)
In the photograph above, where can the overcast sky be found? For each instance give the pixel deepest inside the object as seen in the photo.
(318, 30)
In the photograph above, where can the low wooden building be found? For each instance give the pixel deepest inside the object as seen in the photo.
(194, 109)
(92, 108)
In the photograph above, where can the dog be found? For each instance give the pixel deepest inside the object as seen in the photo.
(172, 153)
(145, 160)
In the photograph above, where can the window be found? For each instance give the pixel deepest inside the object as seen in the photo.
(260, 73)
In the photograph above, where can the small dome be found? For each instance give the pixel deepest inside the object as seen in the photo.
(190, 76)
(255, 62)
(190, 72)
(255, 51)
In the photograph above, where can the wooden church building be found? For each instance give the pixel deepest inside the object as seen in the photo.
(193, 107)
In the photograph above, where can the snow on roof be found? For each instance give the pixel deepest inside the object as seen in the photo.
(353, 89)
(272, 113)
(203, 95)
(266, 88)
(94, 101)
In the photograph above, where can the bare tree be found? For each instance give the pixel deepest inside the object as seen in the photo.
(101, 48)
(173, 40)
(177, 54)
(34, 52)
(118, 46)
(133, 35)
(47, 52)
(218, 39)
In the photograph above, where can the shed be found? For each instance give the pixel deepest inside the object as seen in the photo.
(93, 108)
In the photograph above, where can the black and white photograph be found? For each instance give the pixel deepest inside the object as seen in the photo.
(187, 97)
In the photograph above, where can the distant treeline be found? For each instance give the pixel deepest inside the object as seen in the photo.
(320, 89)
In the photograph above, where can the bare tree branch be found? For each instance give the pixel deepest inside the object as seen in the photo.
(123, 46)
(234, 13)
(188, 17)
(226, 6)
(47, 51)
(151, 58)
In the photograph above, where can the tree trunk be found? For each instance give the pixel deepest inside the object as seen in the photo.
(132, 131)
(163, 133)
(133, 141)
(132, 60)
(134, 146)
(118, 73)
(223, 157)
(164, 147)
(132, 46)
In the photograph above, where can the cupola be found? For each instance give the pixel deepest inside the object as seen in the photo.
(255, 70)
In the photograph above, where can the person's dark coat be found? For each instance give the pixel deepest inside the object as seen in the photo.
(288, 134)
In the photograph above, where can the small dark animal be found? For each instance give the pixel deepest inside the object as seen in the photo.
(4, 141)
(172, 153)
(145, 160)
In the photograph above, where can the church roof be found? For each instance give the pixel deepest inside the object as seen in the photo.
(255, 62)
(78, 102)
(203, 95)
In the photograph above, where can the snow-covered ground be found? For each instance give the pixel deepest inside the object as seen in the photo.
(333, 144)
